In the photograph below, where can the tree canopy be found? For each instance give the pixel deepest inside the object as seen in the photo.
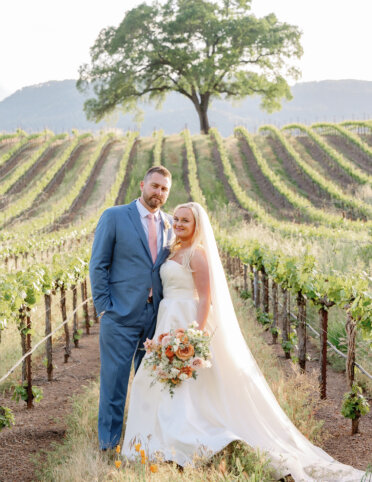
(201, 49)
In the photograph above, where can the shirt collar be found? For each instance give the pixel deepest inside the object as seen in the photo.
(144, 212)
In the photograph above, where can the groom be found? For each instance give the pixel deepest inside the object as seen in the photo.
(130, 244)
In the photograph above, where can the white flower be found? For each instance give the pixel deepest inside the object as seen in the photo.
(174, 372)
(183, 376)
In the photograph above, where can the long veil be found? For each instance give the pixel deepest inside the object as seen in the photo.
(249, 408)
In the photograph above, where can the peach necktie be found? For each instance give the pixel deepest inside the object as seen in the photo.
(153, 238)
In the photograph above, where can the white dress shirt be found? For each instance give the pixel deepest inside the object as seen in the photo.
(144, 220)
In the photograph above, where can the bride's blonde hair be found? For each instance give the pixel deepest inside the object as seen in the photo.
(196, 237)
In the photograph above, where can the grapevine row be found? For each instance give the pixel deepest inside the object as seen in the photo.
(255, 209)
(360, 176)
(300, 202)
(17, 147)
(328, 186)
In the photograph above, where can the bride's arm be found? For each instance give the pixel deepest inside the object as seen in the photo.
(199, 266)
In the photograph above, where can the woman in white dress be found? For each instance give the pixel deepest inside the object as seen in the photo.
(229, 401)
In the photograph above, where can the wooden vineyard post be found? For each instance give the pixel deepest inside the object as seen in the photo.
(256, 289)
(75, 323)
(245, 275)
(265, 290)
(284, 318)
(49, 342)
(29, 365)
(252, 282)
(323, 321)
(96, 319)
(85, 306)
(66, 328)
(350, 361)
(22, 326)
(274, 328)
(301, 330)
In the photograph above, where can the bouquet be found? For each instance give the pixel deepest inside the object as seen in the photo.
(177, 355)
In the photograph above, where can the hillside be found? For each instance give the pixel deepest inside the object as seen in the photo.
(291, 207)
(57, 105)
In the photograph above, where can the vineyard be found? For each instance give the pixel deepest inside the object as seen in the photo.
(291, 210)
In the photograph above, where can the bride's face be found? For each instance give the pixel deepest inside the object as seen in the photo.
(184, 224)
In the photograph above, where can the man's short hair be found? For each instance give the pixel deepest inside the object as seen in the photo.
(160, 170)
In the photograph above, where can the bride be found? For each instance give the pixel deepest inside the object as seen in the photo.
(229, 401)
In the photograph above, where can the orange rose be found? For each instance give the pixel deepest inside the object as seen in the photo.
(162, 336)
(183, 338)
(175, 381)
(187, 370)
(185, 353)
(179, 330)
(169, 353)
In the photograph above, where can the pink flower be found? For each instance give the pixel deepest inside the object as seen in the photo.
(165, 340)
(197, 363)
(149, 345)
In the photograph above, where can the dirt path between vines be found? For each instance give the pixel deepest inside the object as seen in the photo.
(39, 428)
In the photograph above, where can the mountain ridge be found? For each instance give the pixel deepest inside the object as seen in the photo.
(58, 105)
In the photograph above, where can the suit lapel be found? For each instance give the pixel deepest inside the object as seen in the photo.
(136, 220)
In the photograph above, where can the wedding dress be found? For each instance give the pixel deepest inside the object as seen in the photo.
(229, 401)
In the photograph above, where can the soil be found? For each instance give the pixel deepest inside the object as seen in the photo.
(297, 175)
(39, 428)
(87, 189)
(351, 151)
(267, 190)
(123, 188)
(355, 450)
(335, 172)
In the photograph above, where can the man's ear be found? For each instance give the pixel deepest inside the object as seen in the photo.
(142, 183)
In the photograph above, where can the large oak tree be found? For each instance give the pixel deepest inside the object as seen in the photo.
(201, 49)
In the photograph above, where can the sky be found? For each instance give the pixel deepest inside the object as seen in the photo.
(42, 40)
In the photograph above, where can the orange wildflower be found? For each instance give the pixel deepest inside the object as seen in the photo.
(185, 353)
(153, 468)
(143, 453)
(118, 449)
(118, 464)
(143, 460)
(137, 447)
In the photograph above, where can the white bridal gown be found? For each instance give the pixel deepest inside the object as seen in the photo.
(230, 401)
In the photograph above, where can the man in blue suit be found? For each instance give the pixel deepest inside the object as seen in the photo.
(130, 244)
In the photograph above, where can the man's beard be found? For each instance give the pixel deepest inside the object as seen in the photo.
(151, 201)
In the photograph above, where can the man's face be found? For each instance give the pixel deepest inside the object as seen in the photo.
(155, 191)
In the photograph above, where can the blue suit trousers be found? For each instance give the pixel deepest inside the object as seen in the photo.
(119, 343)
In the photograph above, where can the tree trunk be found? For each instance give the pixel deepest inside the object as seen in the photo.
(355, 425)
(323, 322)
(48, 343)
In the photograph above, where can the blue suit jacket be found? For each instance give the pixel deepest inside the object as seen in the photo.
(121, 268)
